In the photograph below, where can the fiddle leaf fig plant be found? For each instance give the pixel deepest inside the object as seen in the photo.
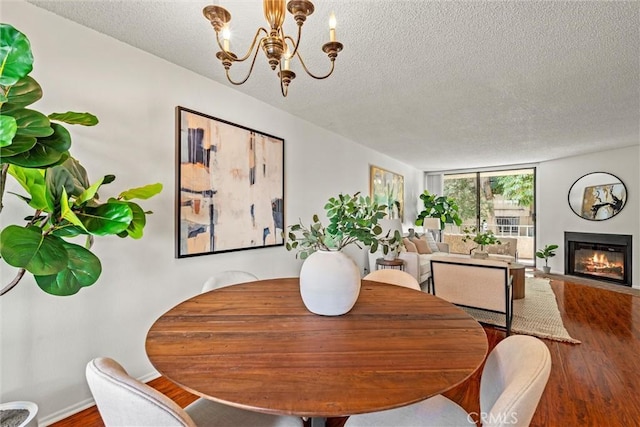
(352, 219)
(34, 150)
(441, 207)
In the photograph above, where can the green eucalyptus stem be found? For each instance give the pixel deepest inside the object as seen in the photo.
(14, 282)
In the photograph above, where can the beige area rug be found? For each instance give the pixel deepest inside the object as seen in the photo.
(537, 314)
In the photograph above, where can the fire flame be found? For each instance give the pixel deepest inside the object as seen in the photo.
(598, 262)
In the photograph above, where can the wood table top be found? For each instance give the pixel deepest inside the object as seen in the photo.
(256, 346)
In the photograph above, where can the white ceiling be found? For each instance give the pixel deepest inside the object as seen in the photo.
(437, 85)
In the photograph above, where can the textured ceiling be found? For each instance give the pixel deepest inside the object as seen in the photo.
(437, 85)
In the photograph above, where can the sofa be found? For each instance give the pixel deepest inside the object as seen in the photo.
(416, 264)
(484, 284)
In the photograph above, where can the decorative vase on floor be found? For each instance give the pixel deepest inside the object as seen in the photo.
(329, 283)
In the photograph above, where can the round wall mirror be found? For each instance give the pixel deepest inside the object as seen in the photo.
(597, 196)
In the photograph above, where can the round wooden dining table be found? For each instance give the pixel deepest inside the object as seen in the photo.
(255, 346)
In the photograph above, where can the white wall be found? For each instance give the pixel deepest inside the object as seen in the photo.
(554, 216)
(47, 340)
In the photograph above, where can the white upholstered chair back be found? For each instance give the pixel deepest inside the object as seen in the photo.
(513, 379)
(227, 278)
(394, 277)
(124, 401)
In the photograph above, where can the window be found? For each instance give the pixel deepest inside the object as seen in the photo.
(508, 225)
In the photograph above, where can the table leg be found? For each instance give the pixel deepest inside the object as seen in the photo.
(318, 422)
(518, 283)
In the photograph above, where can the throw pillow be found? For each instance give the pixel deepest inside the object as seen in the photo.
(409, 245)
(421, 245)
(431, 242)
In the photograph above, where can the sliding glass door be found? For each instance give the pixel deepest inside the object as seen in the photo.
(500, 201)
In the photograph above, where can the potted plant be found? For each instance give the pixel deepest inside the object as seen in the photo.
(391, 244)
(329, 279)
(34, 150)
(441, 207)
(546, 253)
(482, 239)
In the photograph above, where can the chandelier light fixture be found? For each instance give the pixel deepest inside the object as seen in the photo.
(279, 48)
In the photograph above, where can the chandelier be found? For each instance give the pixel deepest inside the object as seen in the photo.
(276, 45)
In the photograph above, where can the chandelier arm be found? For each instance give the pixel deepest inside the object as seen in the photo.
(295, 43)
(248, 74)
(313, 75)
(253, 44)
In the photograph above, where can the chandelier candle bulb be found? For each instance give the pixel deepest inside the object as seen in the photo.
(226, 35)
(332, 27)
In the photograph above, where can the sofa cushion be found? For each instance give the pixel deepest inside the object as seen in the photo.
(421, 246)
(408, 244)
(425, 265)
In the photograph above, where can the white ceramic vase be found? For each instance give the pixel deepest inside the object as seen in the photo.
(391, 255)
(329, 283)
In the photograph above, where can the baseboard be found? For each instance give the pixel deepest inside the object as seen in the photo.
(81, 406)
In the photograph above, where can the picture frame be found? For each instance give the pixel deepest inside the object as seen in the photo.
(597, 196)
(387, 188)
(229, 186)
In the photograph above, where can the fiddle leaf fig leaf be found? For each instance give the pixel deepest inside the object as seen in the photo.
(69, 231)
(67, 213)
(145, 192)
(16, 59)
(64, 177)
(20, 144)
(136, 227)
(28, 248)
(73, 118)
(32, 123)
(78, 172)
(8, 128)
(112, 217)
(46, 152)
(32, 180)
(89, 193)
(83, 269)
(24, 92)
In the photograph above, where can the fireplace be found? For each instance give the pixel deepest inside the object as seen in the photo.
(598, 256)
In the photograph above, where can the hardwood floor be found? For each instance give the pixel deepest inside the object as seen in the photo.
(596, 383)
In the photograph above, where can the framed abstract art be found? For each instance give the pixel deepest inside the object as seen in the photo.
(229, 186)
(387, 188)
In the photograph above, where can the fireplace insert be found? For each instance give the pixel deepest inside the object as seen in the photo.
(599, 256)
